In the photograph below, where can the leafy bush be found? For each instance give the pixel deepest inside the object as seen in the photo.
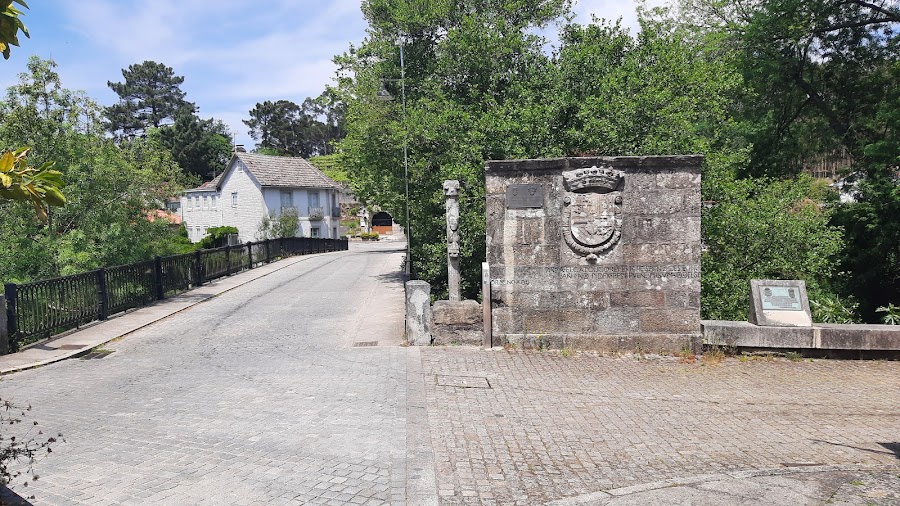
(216, 237)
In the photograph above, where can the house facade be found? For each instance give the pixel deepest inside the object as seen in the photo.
(253, 186)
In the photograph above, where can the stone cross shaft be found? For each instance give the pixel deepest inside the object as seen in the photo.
(451, 193)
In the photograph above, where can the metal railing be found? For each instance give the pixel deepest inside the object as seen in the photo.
(40, 309)
(316, 213)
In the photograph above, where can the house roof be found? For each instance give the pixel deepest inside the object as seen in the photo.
(285, 171)
(280, 171)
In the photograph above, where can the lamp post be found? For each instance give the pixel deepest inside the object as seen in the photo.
(405, 158)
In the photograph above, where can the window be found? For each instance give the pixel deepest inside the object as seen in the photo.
(314, 232)
(234, 199)
(205, 202)
(287, 199)
(214, 199)
(187, 204)
(313, 199)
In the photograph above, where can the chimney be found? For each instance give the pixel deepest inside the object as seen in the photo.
(239, 148)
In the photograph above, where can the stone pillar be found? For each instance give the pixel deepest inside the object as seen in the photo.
(451, 193)
(418, 313)
(486, 304)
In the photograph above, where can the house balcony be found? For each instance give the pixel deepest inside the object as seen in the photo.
(316, 213)
(336, 212)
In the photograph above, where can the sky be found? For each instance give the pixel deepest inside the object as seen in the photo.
(232, 54)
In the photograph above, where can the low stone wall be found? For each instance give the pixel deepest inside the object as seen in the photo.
(818, 337)
(457, 323)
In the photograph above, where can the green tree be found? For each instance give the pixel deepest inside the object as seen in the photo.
(110, 189)
(277, 126)
(201, 147)
(150, 96)
(476, 80)
(821, 78)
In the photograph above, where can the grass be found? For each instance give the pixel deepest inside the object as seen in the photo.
(713, 356)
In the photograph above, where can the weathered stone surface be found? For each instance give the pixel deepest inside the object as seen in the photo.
(458, 335)
(819, 336)
(612, 254)
(418, 313)
(461, 312)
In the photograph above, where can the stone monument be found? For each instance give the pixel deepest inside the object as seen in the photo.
(451, 194)
(779, 303)
(595, 253)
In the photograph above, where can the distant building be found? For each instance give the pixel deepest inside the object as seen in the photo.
(253, 186)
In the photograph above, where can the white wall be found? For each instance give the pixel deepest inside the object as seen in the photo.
(250, 208)
(198, 214)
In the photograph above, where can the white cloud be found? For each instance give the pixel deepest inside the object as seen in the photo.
(612, 10)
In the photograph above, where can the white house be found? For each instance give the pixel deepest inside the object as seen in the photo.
(253, 186)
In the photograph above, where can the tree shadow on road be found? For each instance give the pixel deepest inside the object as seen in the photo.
(10, 498)
(894, 448)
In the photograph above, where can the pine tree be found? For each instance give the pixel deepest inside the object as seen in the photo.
(149, 97)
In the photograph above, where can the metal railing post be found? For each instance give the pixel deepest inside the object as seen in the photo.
(158, 273)
(102, 294)
(228, 260)
(198, 261)
(249, 254)
(268, 252)
(12, 325)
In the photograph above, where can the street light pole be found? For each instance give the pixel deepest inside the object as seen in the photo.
(405, 160)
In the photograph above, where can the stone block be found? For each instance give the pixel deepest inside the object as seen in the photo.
(859, 337)
(418, 313)
(638, 298)
(461, 312)
(675, 321)
(747, 335)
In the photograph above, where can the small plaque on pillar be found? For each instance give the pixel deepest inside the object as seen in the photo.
(524, 196)
(779, 303)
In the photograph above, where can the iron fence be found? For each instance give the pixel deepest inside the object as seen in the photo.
(40, 309)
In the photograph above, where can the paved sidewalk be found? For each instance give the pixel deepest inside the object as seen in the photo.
(528, 427)
(99, 333)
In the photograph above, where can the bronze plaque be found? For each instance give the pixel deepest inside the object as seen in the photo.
(524, 196)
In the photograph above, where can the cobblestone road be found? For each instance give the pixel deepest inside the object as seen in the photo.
(255, 397)
(551, 427)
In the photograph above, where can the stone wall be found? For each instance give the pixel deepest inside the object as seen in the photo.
(457, 323)
(595, 253)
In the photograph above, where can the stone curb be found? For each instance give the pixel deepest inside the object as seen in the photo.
(229, 282)
(607, 495)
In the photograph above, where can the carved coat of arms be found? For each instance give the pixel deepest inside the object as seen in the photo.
(592, 216)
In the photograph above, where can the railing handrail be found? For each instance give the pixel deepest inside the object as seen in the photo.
(49, 298)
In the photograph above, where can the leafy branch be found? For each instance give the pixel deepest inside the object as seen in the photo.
(38, 185)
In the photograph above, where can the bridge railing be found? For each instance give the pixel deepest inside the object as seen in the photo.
(40, 309)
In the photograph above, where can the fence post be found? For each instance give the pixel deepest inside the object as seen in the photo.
(228, 260)
(198, 264)
(12, 325)
(157, 264)
(249, 254)
(102, 294)
(268, 252)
